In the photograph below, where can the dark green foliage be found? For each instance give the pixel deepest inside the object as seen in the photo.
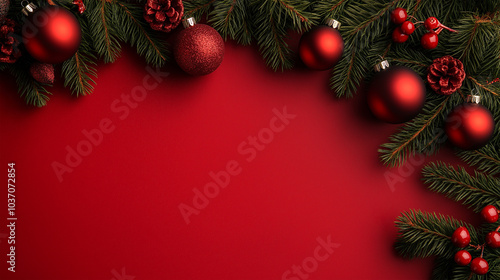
(486, 159)
(33, 92)
(104, 29)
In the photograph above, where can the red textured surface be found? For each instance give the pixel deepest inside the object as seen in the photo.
(119, 208)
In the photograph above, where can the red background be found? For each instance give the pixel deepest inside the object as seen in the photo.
(118, 209)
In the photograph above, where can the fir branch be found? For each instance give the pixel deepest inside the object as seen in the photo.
(135, 31)
(419, 135)
(473, 191)
(104, 30)
(484, 87)
(426, 234)
(34, 93)
(486, 159)
(79, 70)
(197, 8)
(347, 75)
(231, 19)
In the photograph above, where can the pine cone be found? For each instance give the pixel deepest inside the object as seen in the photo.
(9, 52)
(446, 75)
(4, 9)
(42, 72)
(163, 15)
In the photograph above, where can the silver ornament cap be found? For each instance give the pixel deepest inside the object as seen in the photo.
(384, 64)
(29, 8)
(333, 23)
(476, 99)
(189, 22)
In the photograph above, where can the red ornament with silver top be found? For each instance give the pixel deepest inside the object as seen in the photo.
(321, 47)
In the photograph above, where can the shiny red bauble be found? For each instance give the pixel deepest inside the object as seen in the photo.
(399, 36)
(493, 239)
(461, 237)
(462, 257)
(199, 49)
(396, 95)
(398, 15)
(490, 214)
(51, 34)
(407, 27)
(321, 47)
(479, 266)
(429, 40)
(431, 23)
(469, 126)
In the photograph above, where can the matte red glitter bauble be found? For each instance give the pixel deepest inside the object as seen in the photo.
(396, 94)
(51, 34)
(199, 49)
(470, 126)
(321, 47)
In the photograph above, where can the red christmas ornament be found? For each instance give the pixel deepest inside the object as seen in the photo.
(490, 214)
(429, 40)
(479, 266)
(199, 48)
(470, 126)
(399, 36)
(398, 15)
(446, 75)
(51, 34)
(463, 257)
(493, 239)
(322, 47)
(461, 237)
(42, 72)
(396, 94)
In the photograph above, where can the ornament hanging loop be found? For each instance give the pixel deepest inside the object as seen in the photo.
(333, 23)
(384, 64)
(476, 99)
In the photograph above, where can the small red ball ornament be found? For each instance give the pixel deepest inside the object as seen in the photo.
(51, 34)
(490, 214)
(479, 266)
(396, 94)
(199, 49)
(321, 47)
(493, 239)
(463, 257)
(460, 237)
(470, 126)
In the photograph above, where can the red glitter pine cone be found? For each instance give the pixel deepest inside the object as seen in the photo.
(163, 15)
(446, 75)
(42, 72)
(9, 53)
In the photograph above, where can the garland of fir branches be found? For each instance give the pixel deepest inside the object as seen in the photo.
(366, 28)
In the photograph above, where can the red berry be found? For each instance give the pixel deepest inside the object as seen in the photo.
(479, 266)
(461, 237)
(490, 214)
(431, 23)
(429, 40)
(463, 257)
(407, 27)
(398, 36)
(399, 15)
(493, 239)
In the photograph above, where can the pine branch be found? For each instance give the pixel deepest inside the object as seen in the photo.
(33, 92)
(348, 74)
(135, 31)
(486, 159)
(231, 19)
(79, 70)
(473, 191)
(104, 29)
(197, 8)
(423, 134)
(426, 234)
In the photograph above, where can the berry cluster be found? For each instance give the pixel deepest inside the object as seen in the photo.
(406, 27)
(461, 239)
